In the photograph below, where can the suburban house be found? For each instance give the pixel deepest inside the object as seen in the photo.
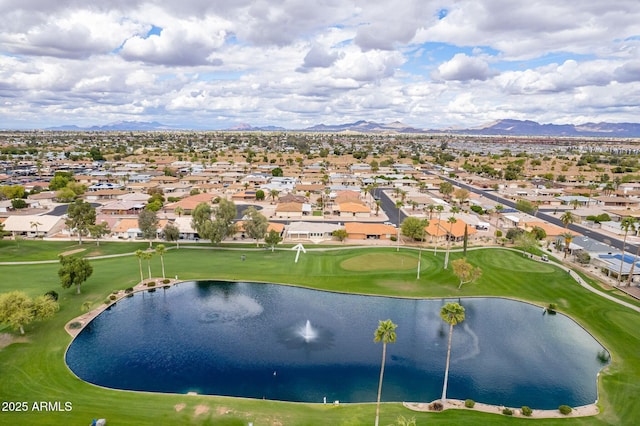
(34, 225)
(128, 228)
(315, 232)
(188, 204)
(292, 210)
(122, 208)
(441, 230)
(353, 209)
(369, 231)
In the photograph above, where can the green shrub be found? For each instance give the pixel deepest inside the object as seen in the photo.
(477, 209)
(565, 409)
(112, 297)
(106, 302)
(75, 325)
(166, 281)
(551, 309)
(603, 356)
(498, 233)
(151, 284)
(128, 290)
(507, 411)
(526, 411)
(469, 403)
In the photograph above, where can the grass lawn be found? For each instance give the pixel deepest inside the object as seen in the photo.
(35, 371)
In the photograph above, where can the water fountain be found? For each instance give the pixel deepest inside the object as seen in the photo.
(307, 332)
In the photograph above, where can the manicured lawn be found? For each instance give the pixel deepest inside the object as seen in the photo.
(30, 250)
(35, 370)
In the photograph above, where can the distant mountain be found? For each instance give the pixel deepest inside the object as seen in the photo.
(531, 128)
(249, 128)
(140, 126)
(500, 128)
(364, 127)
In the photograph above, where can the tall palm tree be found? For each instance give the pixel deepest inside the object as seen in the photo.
(451, 221)
(161, 251)
(385, 333)
(627, 224)
(378, 202)
(635, 259)
(567, 218)
(147, 255)
(439, 208)
(431, 208)
(399, 205)
(452, 314)
(568, 237)
(140, 255)
(179, 211)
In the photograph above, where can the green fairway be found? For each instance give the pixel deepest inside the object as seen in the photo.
(35, 371)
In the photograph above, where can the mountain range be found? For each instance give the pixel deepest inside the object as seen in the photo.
(505, 127)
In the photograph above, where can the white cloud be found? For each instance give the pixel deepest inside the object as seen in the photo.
(454, 62)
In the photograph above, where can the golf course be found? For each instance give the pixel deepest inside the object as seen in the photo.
(32, 367)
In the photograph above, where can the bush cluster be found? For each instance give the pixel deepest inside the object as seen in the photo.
(75, 325)
(166, 281)
(507, 411)
(128, 290)
(469, 403)
(436, 406)
(151, 284)
(526, 411)
(112, 297)
(565, 409)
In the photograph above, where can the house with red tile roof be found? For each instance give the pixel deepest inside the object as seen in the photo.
(369, 231)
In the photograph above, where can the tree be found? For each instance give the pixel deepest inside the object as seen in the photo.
(80, 215)
(385, 333)
(273, 193)
(140, 255)
(341, 234)
(172, 233)
(627, 224)
(413, 228)
(568, 237)
(399, 205)
(17, 309)
(567, 218)
(35, 224)
(527, 242)
(462, 195)
(147, 255)
(526, 206)
(260, 195)
(179, 211)
(98, 231)
(161, 251)
(255, 224)
(200, 216)
(148, 224)
(272, 239)
(74, 271)
(277, 171)
(451, 221)
(445, 188)
(465, 271)
(452, 314)
(439, 208)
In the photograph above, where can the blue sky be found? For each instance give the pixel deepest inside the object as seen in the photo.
(294, 63)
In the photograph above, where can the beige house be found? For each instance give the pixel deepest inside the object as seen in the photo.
(369, 231)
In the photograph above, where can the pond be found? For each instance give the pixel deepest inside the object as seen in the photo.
(293, 344)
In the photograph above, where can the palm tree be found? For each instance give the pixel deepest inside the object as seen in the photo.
(567, 218)
(439, 208)
(378, 202)
(273, 194)
(147, 255)
(450, 221)
(35, 224)
(399, 205)
(452, 314)
(140, 255)
(431, 208)
(498, 208)
(568, 237)
(635, 259)
(627, 224)
(179, 211)
(160, 251)
(592, 187)
(385, 333)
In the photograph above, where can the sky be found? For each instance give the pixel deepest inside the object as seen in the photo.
(213, 64)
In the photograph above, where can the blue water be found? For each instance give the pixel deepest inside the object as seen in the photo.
(245, 340)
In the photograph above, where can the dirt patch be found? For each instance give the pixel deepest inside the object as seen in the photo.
(180, 407)
(70, 252)
(222, 410)
(6, 339)
(201, 409)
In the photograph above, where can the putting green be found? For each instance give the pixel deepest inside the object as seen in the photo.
(380, 262)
